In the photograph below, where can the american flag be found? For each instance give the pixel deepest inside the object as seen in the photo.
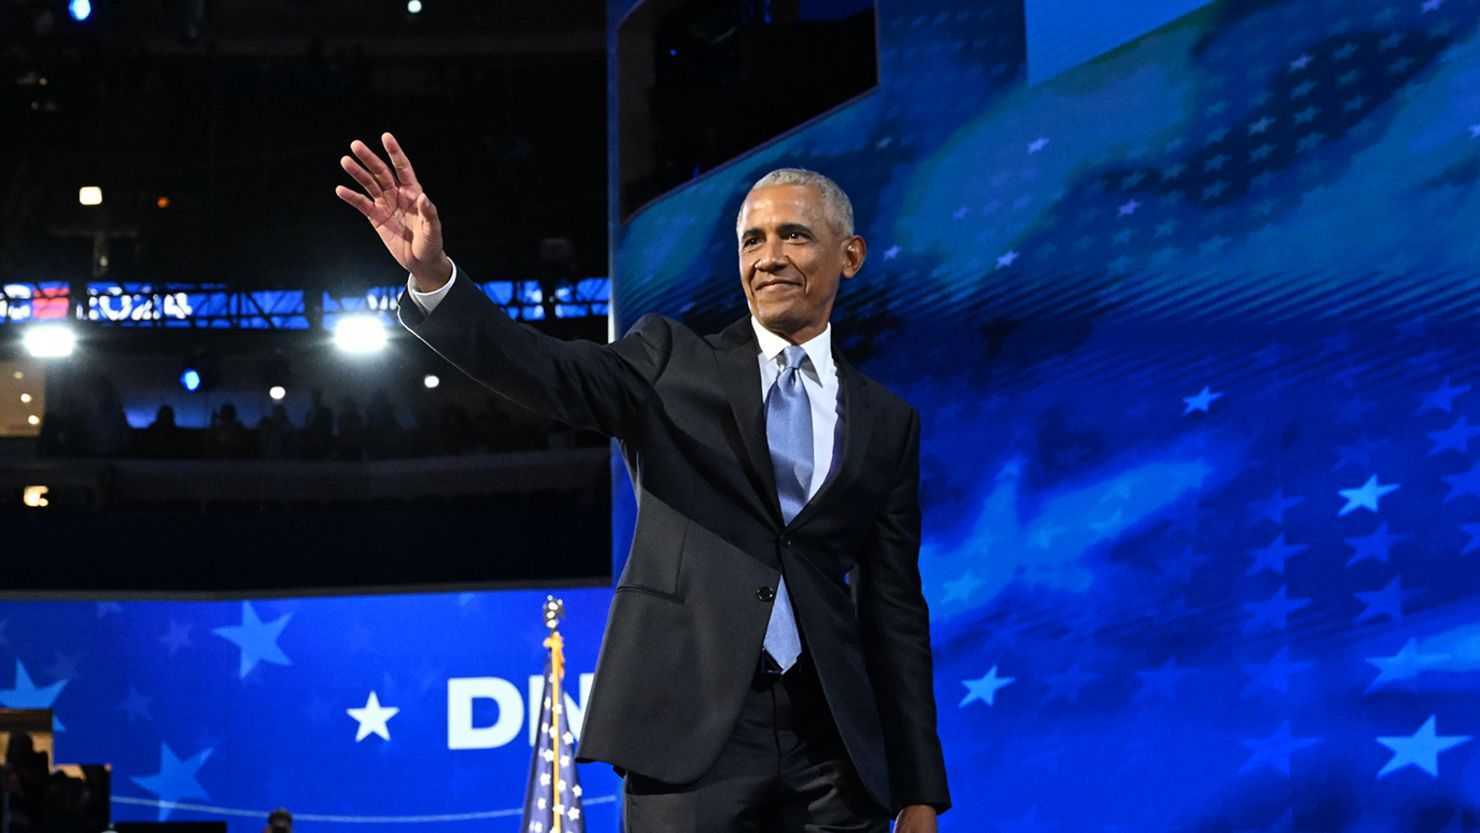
(552, 801)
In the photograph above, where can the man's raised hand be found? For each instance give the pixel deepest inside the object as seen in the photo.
(399, 210)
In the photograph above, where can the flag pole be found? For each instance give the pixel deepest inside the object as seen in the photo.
(554, 611)
(552, 797)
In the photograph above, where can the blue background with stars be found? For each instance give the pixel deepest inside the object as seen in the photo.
(233, 708)
(1186, 299)
(1185, 294)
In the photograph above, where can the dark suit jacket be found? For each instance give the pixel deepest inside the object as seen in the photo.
(689, 612)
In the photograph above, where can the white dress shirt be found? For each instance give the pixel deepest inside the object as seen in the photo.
(819, 377)
(428, 301)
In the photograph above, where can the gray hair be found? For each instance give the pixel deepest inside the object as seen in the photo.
(835, 201)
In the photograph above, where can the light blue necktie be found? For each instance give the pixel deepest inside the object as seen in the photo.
(789, 434)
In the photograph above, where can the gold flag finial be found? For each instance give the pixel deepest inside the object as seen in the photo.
(554, 612)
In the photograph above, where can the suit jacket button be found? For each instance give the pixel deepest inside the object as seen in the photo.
(785, 542)
(766, 594)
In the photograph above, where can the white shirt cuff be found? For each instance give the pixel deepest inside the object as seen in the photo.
(428, 301)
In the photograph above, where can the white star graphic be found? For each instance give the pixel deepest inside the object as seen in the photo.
(1404, 665)
(986, 688)
(1201, 401)
(256, 639)
(176, 779)
(1365, 496)
(1421, 749)
(372, 718)
(27, 695)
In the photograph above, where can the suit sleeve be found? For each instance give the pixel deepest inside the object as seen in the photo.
(896, 633)
(599, 387)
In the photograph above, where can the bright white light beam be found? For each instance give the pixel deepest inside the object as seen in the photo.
(360, 334)
(50, 341)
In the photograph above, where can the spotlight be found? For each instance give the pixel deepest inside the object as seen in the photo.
(26, 398)
(35, 497)
(277, 374)
(163, 202)
(90, 195)
(50, 341)
(33, 420)
(79, 9)
(431, 380)
(360, 334)
(199, 371)
(413, 6)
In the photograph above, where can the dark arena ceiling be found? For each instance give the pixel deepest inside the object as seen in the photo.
(214, 128)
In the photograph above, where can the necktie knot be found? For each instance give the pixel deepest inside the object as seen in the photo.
(792, 358)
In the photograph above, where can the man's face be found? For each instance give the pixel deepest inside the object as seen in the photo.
(792, 258)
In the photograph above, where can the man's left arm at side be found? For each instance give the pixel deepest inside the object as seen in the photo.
(896, 630)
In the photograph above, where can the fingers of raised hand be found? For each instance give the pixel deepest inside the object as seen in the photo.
(431, 224)
(373, 165)
(362, 203)
(402, 164)
(357, 171)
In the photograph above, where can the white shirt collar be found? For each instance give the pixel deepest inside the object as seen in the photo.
(819, 347)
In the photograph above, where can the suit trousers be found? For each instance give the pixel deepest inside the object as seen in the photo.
(783, 770)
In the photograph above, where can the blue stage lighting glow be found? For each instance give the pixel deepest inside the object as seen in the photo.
(79, 9)
(190, 379)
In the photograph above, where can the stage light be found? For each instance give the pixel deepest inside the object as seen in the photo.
(163, 202)
(35, 497)
(50, 341)
(360, 334)
(199, 372)
(277, 374)
(90, 195)
(413, 6)
(431, 380)
(79, 9)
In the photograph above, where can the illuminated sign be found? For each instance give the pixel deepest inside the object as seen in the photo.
(112, 303)
(33, 302)
(217, 306)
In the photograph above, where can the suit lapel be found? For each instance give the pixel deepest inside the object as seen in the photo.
(740, 374)
(858, 426)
